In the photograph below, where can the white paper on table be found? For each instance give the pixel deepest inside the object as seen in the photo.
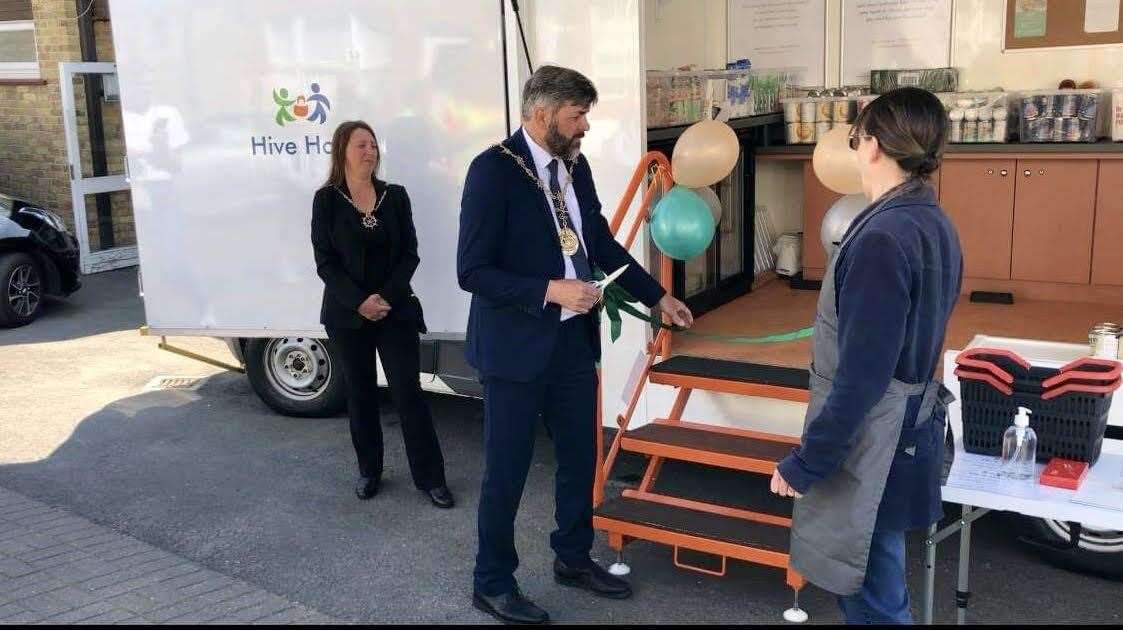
(972, 471)
(1102, 487)
(1101, 16)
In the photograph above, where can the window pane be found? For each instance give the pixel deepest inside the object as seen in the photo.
(17, 45)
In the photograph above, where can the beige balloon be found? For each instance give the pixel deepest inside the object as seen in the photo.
(835, 164)
(704, 154)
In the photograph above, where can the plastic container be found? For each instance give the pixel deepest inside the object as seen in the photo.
(1064, 115)
(1019, 448)
(809, 117)
(1069, 405)
(1117, 115)
(990, 112)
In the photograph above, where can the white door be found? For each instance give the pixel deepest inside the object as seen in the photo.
(94, 258)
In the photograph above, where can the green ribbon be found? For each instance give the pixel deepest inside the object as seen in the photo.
(615, 299)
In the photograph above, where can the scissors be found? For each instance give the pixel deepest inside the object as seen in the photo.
(609, 279)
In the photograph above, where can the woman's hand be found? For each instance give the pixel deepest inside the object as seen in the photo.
(781, 487)
(374, 307)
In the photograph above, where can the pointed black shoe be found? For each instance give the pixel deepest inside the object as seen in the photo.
(366, 487)
(592, 578)
(512, 607)
(441, 497)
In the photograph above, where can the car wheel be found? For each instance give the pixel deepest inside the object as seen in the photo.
(1098, 551)
(296, 376)
(21, 284)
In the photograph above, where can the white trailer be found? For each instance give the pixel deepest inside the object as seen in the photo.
(223, 165)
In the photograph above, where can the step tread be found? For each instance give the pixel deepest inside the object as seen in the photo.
(709, 441)
(681, 520)
(756, 373)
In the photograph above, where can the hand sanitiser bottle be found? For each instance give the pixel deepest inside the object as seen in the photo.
(1019, 448)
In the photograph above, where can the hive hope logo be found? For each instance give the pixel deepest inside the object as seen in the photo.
(311, 107)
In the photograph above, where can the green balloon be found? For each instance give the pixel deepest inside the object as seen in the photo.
(682, 225)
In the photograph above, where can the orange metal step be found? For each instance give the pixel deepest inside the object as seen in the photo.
(733, 377)
(703, 531)
(748, 451)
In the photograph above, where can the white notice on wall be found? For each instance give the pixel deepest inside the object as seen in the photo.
(1101, 16)
(775, 34)
(893, 34)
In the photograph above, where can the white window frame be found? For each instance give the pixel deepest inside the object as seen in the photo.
(20, 69)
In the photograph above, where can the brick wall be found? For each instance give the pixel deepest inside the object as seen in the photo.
(32, 140)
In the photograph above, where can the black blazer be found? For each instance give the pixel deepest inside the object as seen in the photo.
(509, 251)
(340, 257)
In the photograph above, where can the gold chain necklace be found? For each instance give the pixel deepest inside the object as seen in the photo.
(566, 234)
(369, 221)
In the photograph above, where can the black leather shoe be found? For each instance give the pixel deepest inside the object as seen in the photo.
(366, 487)
(511, 607)
(441, 497)
(592, 578)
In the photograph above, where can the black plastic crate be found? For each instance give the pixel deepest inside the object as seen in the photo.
(1070, 426)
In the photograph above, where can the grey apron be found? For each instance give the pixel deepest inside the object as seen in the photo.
(833, 524)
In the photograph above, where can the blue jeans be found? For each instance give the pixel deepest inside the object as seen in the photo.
(884, 597)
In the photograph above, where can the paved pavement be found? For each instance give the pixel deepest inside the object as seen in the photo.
(208, 481)
(59, 568)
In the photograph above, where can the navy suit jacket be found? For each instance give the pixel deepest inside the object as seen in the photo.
(509, 251)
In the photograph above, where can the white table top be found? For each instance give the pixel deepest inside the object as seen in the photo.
(1043, 501)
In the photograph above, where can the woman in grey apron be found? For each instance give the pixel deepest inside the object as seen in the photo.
(868, 466)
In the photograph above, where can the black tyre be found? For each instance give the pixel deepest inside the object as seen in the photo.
(1099, 552)
(296, 376)
(21, 290)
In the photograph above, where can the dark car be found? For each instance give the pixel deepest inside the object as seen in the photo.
(38, 257)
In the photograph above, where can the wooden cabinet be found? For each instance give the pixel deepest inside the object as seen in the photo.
(1028, 225)
(1107, 241)
(1054, 212)
(978, 196)
(817, 199)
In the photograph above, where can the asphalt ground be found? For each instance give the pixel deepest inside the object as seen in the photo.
(212, 475)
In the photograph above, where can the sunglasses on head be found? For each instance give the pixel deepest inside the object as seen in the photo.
(855, 139)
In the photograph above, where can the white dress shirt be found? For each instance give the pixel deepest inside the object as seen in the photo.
(542, 159)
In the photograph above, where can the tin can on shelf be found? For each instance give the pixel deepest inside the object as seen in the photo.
(843, 110)
(970, 131)
(806, 132)
(1070, 104)
(791, 111)
(825, 110)
(1089, 104)
(1104, 340)
(1031, 107)
(1000, 130)
(1072, 131)
(793, 133)
(986, 130)
(821, 129)
(955, 129)
(1058, 129)
(807, 111)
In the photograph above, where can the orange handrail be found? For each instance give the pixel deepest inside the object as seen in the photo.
(657, 164)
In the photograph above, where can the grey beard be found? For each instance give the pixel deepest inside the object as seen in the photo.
(561, 146)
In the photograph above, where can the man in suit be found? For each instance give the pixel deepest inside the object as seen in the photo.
(531, 231)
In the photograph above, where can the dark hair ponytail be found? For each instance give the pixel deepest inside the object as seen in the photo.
(911, 127)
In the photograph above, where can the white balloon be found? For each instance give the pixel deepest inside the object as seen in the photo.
(838, 219)
(710, 197)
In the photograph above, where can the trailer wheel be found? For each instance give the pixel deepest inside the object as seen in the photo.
(1099, 551)
(296, 376)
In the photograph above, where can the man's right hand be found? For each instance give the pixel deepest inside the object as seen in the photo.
(575, 295)
(374, 308)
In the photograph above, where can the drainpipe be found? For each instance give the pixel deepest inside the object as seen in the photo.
(95, 122)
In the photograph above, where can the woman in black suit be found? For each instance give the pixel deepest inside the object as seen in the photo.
(366, 252)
